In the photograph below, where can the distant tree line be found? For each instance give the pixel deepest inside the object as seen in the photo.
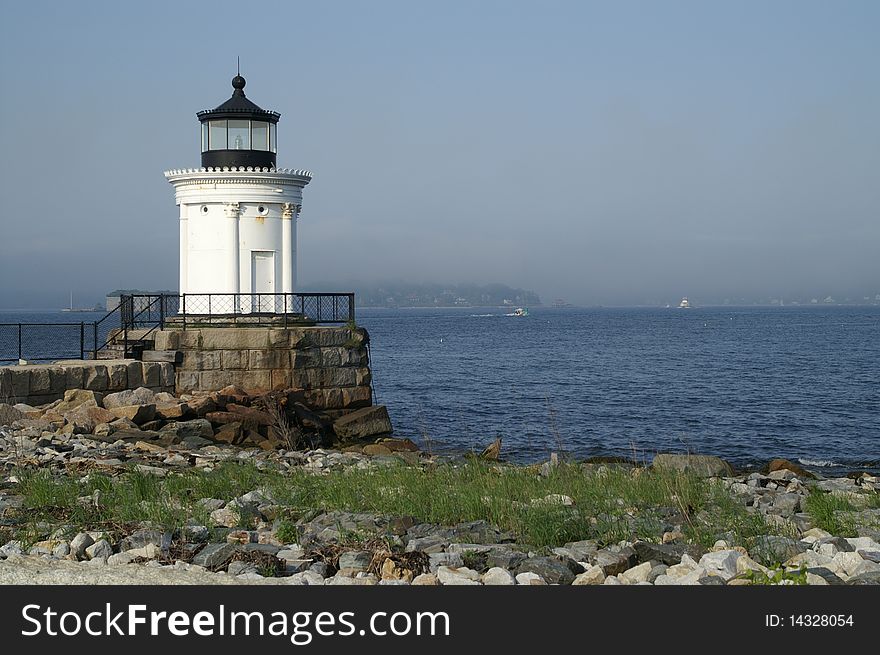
(402, 294)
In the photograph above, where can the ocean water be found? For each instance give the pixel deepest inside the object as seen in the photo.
(747, 384)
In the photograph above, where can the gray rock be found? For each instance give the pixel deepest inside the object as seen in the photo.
(866, 578)
(832, 545)
(214, 556)
(141, 538)
(669, 554)
(773, 549)
(826, 574)
(786, 504)
(457, 576)
(582, 551)
(291, 553)
(196, 533)
(211, 504)
(8, 414)
(721, 562)
(656, 572)
(322, 568)
(194, 442)
(355, 560)
(529, 578)
(238, 568)
(550, 569)
(79, 544)
(610, 563)
(870, 555)
(139, 396)
(636, 574)
(451, 560)
(366, 422)
(706, 466)
(496, 576)
(505, 559)
(429, 544)
(199, 427)
(99, 549)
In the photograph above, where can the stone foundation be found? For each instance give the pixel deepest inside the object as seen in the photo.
(37, 384)
(329, 364)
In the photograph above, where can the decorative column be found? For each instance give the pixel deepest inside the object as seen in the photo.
(184, 250)
(233, 276)
(289, 211)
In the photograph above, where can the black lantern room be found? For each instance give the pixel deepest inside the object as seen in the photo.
(238, 132)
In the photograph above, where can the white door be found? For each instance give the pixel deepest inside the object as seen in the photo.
(263, 281)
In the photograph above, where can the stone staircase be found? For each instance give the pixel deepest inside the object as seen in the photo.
(137, 344)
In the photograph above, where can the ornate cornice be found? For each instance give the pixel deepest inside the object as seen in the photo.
(239, 175)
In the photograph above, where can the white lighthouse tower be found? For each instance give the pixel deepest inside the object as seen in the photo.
(238, 212)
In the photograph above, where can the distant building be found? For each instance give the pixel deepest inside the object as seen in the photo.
(113, 298)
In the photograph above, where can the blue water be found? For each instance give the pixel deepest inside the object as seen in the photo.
(748, 384)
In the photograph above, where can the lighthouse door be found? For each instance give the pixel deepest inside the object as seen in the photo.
(263, 281)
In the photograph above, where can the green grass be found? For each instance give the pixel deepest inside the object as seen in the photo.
(619, 504)
(832, 513)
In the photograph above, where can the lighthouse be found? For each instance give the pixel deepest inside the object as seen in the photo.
(238, 211)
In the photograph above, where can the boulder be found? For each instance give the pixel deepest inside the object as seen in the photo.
(550, 569)
(230, 433)
(196, 428)
(202, 405)
(250, 415)
(496, 576)
(363, 423)
(173, 411)
(704, 466)
(139, 396)
(137, 414)
(668, 554)
(459, 576)
(231, 394)
(784, 464)
(75, 398)
(9, 414)
(592, 576)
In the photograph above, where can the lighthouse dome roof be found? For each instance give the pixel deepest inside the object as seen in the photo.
(239, 106)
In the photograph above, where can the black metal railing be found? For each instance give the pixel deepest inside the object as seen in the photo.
(133, 322)
(45, 341)
(265, 308)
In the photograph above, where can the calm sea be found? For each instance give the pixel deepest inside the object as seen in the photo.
(748, 384)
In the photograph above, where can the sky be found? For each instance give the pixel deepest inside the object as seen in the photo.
(604, 153)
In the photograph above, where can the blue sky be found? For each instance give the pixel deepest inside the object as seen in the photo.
(619, 152)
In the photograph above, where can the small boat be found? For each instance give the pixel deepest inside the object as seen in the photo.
(684, 304)
(519, 311)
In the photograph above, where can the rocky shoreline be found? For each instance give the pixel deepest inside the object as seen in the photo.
(260, 536)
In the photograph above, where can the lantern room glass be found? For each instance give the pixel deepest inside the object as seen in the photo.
(239, 135)
(217, 135)
(259, 135)
(272, 137)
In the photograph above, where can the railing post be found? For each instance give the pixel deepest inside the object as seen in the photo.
(184, 311)
(285, 311)
(82, 340)
(162, 312)
(95, 351)
(19, 341)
